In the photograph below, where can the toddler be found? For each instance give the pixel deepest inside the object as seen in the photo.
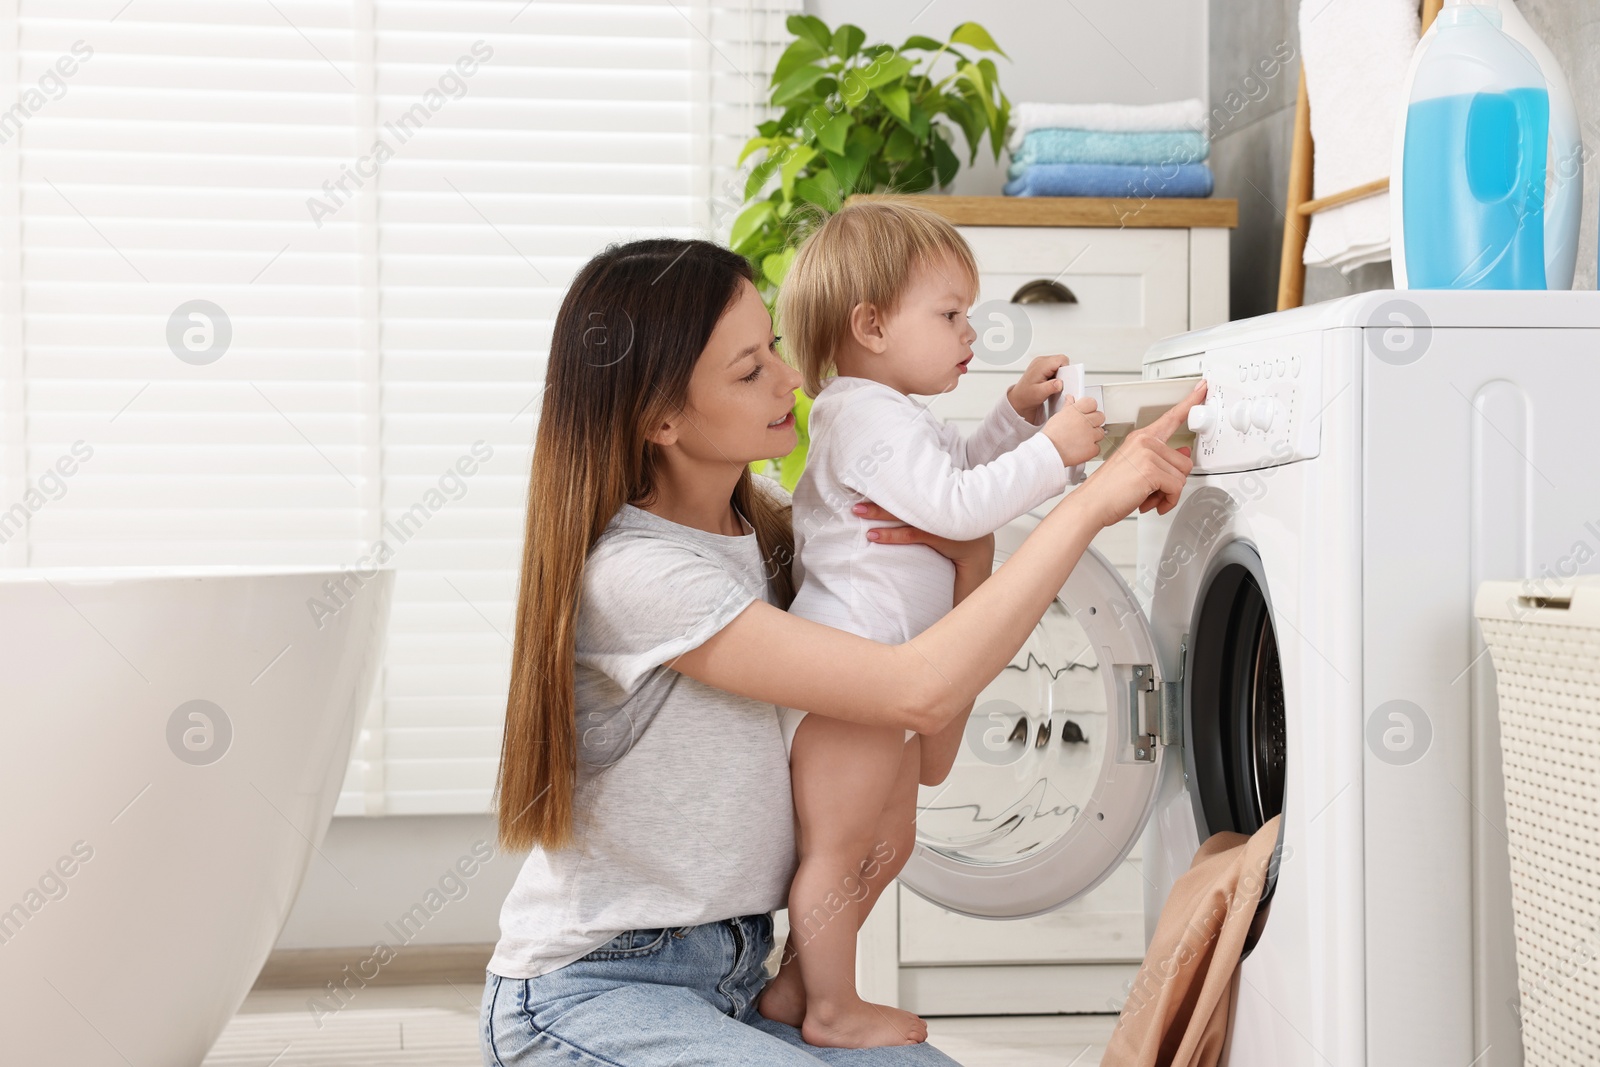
(879, 294)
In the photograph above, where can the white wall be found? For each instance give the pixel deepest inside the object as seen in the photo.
(1082, 51)
(373, 869)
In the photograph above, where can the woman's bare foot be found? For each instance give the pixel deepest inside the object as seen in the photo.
(784, 997)
(862, 1024)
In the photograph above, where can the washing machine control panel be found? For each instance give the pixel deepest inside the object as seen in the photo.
(1262, 406)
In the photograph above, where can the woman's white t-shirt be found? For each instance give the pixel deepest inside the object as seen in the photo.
(682, 802)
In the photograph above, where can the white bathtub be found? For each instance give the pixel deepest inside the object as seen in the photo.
(149, 857)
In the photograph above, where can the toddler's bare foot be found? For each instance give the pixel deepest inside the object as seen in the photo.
(862, 1025)
(784, 998)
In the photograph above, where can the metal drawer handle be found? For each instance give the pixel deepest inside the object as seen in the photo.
(1044, 291)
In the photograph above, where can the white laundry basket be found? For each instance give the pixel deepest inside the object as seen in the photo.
(1544, 641)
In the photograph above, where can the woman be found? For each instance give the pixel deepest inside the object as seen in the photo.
(642, 759)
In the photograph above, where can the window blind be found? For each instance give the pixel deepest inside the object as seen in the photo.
(288, 270)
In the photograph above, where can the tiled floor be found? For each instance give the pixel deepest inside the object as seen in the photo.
(436, 1026)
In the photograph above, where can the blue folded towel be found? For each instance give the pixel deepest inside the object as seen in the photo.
(1112, 179)
(1103, 146)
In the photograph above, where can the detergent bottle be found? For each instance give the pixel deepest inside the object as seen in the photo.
(1563, 195)
(1563, 198)
(1472, 157)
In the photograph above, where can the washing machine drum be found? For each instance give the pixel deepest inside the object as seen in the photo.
(1235, 750)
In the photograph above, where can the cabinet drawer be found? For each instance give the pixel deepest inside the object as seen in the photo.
(1132, 287)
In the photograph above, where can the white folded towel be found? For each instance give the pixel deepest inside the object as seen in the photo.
(1355, 53)
(1174, 115)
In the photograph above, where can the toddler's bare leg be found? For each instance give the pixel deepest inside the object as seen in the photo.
(784, 997)
(939, 750)
(896, 832)
(843, 775)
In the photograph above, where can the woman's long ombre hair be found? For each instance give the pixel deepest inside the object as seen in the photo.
(626, 341)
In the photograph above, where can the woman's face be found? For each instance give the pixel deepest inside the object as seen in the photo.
(741, 395)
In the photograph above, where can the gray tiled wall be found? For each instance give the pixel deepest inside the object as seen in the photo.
(1252, 124)
(1253, 100)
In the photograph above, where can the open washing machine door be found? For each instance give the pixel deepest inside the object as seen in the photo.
(1061, 763)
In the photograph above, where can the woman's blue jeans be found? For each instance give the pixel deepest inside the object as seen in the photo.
(674, 997)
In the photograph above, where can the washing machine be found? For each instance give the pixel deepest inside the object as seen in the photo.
(1298, 639)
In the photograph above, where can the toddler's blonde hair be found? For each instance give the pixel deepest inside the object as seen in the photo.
(864, 253)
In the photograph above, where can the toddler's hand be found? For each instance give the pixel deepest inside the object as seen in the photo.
(1076, 430)
(1037, 384)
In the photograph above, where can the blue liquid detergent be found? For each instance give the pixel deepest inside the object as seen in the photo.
(1474, 190)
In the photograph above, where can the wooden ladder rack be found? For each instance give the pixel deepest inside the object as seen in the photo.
(1299, 205)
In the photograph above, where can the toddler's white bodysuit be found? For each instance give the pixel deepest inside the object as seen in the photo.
(872, 442)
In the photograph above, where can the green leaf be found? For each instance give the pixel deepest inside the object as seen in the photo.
(847, 40)
(973, 76)
(944, 161)
(796, 84)
(832, 135)
(882, 71)
(749, 221)
(918, 123)
(848, 169)
(822, 190)
(991, 76)
(926, 44)
(853, 87)
(866, 137)
(1001, 131)
(914, 178)
(897, 100)
(901, 146)
(797, 157)
(750, 146)
(844, 171)
(758, 176)
(776, 266)
(812, 28)
(972, 126)
(802, 51)
(974, 35)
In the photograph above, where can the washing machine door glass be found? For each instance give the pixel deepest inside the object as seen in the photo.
(1058, 770)
(1237, 745)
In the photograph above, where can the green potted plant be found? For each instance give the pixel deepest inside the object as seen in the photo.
(858, 118)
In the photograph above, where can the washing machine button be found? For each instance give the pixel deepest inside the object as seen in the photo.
(1202, 420)
(1239, 415)
(1262, 412)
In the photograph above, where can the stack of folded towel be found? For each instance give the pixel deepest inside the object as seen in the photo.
(1128, 150)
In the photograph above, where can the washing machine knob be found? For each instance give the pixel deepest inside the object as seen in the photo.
(1262, 413)
(1239, 415)
(1202, 419)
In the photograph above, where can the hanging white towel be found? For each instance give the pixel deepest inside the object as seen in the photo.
(1173, 115)
(1355, 53)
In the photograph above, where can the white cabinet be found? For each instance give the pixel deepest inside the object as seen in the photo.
(1133, 285)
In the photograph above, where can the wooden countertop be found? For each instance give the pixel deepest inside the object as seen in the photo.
(1162, 212)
